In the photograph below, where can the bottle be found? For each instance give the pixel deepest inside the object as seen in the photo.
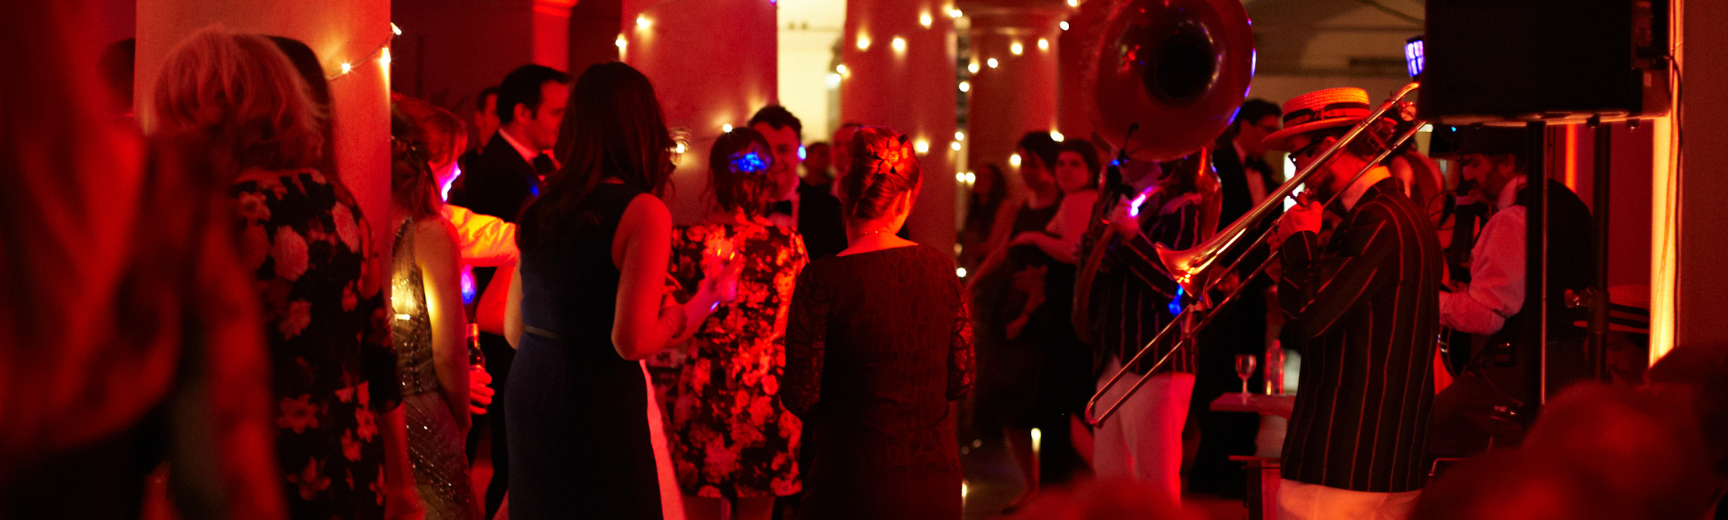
(1274, 374)
(475, 356)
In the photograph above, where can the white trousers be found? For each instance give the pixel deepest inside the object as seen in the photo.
(1304, 501)
(1143, 440)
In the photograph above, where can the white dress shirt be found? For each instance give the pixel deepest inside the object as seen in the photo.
(1496, 289)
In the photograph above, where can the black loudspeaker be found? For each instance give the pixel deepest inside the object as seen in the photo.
(1555, 60)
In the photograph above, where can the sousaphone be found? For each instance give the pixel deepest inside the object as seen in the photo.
(1162, 78)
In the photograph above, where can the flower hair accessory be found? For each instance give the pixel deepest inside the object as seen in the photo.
(744, 162)
(891, 155)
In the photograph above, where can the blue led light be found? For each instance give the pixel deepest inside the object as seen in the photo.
(1176, 303)
(747, 163)
(800, 152)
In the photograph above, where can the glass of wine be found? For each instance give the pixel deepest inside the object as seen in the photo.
(1244, 370)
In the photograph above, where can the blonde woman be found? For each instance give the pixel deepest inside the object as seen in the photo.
(339, 430)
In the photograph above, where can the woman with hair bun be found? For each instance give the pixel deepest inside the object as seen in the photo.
(732, 439)
(877, 345)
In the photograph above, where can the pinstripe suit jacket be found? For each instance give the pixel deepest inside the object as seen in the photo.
(1366, 305)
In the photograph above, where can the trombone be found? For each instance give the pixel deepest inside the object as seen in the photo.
(1192, 268)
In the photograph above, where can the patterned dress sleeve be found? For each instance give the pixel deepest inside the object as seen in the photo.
(960, 354)
(806, 326)
(377, 354)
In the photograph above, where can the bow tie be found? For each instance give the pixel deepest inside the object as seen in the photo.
(1259, 164)
(784, 206)
(543, 165)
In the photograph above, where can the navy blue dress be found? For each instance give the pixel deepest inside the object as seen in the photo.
(577, 412)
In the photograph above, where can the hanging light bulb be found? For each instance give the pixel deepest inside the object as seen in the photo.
(925, 20)
(1014, 160)
(991, 62)
(965, 86)
(1043, 44)
(863, 43)
(1016, 48)
(972, 67)
(1064, 25)
(642, 22)
(899, 44)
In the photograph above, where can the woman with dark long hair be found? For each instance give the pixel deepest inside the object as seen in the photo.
(586, 309)
(877, 345)
(732, 439)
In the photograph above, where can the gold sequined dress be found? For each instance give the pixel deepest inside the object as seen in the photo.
(435, 442)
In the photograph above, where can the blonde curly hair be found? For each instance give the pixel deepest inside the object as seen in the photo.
(240, 89)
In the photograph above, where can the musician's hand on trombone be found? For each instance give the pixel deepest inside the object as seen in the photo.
(1304, 216)
(1124, 218)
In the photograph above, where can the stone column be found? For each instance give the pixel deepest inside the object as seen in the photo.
(899, 58)
(713, 63)
(1014, 88)
(352, 32)
(451, 49)
(1071, 54)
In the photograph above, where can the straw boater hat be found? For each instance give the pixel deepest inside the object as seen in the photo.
(1319, 110)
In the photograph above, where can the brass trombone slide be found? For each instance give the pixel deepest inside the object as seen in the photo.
(1190, 267)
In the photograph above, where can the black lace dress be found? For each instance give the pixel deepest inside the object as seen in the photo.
(877, 344)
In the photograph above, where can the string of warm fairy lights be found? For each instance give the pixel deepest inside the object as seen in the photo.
(382, 52)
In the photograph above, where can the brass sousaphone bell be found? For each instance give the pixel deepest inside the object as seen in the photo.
(1163, 78)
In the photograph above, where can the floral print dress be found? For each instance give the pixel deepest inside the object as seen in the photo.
(730, 435)
(333, 367)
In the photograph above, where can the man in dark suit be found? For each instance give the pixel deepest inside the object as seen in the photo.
(1239, 157)
(808, 209)
(1364, 303)
(485, 123)
(507, 175)
(511, 168)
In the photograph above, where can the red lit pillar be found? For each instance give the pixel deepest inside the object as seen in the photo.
(353, 32)
(1072, 49)
(1014, 88)
(713, 63)
(899, 58)
(451, 49)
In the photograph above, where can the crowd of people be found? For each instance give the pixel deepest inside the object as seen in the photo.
(790, 353)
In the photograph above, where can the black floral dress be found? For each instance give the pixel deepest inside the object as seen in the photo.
(730, 435)
(324, 316)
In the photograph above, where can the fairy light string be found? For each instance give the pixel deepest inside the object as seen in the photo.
(381, 53)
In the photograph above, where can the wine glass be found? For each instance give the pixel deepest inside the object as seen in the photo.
(1244, 370)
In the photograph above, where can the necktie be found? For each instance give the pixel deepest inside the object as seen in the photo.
(784, 206)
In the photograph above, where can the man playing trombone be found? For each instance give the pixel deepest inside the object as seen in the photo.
(1363, 307)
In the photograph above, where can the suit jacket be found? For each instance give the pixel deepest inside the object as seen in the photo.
(1233, 179)
(499, 183)
(1366, 305)
(819, 221)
